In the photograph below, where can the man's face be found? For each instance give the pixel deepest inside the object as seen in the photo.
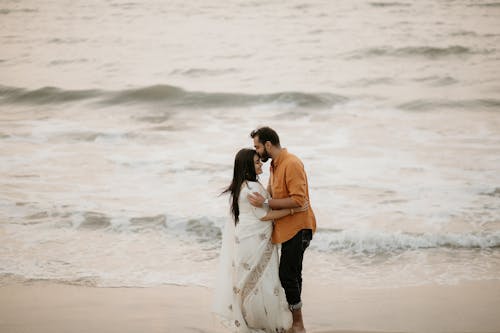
(261, 149)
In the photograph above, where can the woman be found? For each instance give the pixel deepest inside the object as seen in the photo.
(248, 293)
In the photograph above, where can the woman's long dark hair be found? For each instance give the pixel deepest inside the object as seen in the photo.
(244, 169)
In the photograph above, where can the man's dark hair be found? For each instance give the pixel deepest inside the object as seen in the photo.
(266, 134)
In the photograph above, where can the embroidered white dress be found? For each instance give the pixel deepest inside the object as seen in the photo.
(248, 293)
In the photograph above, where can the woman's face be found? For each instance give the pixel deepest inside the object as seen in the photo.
(258, 164)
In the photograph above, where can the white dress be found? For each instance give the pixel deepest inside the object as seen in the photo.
(248, 294)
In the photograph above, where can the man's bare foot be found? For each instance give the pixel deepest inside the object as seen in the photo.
(298, 322)
(296, 330)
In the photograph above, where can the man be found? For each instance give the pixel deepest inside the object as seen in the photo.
(289, 189)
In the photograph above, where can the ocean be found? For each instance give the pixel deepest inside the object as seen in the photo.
(119, 122)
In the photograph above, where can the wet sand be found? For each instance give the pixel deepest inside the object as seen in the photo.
(48, 307)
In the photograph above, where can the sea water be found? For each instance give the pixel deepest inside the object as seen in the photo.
(119, 122)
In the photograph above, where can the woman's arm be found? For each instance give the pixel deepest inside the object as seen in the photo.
(276, 214)
(279, 213)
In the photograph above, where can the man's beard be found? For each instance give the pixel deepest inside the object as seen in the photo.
(265, 156)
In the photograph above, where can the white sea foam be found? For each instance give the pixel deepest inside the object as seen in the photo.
(373, 241)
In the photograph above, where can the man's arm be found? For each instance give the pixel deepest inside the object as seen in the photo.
(296, 182)
(270, 183)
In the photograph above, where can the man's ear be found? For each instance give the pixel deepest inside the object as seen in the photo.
(268, 145)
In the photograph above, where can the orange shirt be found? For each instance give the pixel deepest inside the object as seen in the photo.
(288, 179)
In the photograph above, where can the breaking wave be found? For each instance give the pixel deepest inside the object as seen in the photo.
(167, 95)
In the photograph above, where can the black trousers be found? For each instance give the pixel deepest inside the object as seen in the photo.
(292, 254)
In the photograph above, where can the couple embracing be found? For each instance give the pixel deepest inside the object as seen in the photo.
(258, 290)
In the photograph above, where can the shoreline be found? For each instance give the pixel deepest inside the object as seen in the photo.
(45, 306)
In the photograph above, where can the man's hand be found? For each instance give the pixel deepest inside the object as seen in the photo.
(256, 199)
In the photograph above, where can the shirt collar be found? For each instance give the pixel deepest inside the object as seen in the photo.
(281, 157)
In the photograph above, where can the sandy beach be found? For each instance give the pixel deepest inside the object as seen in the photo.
(48, 307)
